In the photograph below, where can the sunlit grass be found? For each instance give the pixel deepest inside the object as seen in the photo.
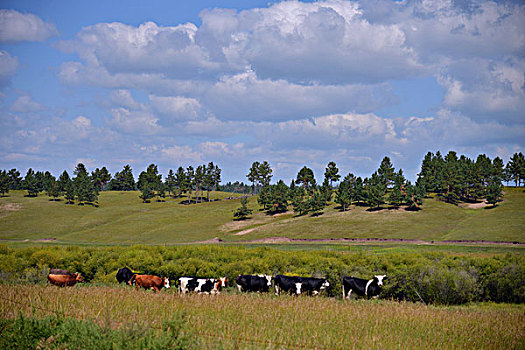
(266, 321)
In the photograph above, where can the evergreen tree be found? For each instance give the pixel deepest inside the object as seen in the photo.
(375, 189)
(161, 192)
(316, 203)
(85, 190)
(68, 188)
(15, 180)
(494, 191)
(498, 168)
(63, 179)
(306, 178)
(450, 183)
(358, 189)
(344, 194)
(243, 212)
(263, 198)
(4, 182)
(180, 181)
(331, 173)
(299, 200)
(264, 173)
(253, 175)
(386, 172)
(151, 177)
(170, 182)
(396, 197)
(30, 184)
(146, 193)
(216, 179)
(198, 180)
(100, 178)
(326, 190)
(516, 168)
(53, 189)
(413, 196)
(123, 181)
(190, 178)
(279, 196)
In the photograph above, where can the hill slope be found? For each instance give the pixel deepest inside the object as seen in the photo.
(123, 219)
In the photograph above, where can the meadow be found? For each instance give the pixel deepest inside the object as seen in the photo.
(122, 218)
(233, 321)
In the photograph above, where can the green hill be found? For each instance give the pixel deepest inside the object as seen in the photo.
(122, 218)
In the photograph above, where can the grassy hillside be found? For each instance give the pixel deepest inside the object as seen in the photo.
(122, 218)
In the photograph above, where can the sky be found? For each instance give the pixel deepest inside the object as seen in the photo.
(295, 83)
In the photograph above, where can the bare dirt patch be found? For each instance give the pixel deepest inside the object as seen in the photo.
(478, 205)
(6, 208)
(243, 232)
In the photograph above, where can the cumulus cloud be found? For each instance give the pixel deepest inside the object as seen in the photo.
(25, 103)
(17, 27)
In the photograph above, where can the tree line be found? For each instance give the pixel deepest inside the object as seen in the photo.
(451, 178)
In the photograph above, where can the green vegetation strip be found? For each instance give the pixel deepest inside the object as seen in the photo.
(249, 321)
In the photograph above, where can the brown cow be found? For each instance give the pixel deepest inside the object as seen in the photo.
(60, 272)
(148, 281)
(65, 280)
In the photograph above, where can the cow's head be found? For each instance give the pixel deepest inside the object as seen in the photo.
(166, 282)
(78, 277)
(325, 284)
(223, 281)
(380, 279)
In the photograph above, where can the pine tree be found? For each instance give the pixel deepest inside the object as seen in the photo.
(306, 178)
(396, 197)
(344, 195)
(170, 182)
(263, 198)
(386, 172)
(279, 196)
(180, 181)
(413, 196)
(375, 189)
(53, 189)
(15, 180)
(516, 168)
(264, 173)
(316, 203)
(253, 175)
(494, 191)
(4, 182)
(69, 189)
(123, 181)
(100, 177)
(146, 193)
(331, 173)
(30, 183)
(243, 212)
(299, 200)
(189, 181)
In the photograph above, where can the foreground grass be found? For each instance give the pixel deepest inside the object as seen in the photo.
(265, 321)
(123, 219)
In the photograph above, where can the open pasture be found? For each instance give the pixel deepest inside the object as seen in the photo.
(122, 218)
(233, 320)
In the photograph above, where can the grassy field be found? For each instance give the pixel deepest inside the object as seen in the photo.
(232, 320)
(122, 218)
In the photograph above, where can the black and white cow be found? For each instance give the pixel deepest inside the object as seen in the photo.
(313, 286)
(254, 283)
(362, 287)
(288, 284)
(201, 285)
(124, 275)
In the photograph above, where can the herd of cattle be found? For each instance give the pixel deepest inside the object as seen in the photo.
(294, 285)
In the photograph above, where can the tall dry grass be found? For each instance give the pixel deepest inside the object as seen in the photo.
(266, 321)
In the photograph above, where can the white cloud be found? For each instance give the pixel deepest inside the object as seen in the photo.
(8, 67)
(16, 27)
(134, 122)
(25, 103)
(176, 107)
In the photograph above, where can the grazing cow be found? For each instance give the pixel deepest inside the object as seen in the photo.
(289, 284)
(124, 275)
(201, 285)
(254, 283)
(362, 287)
(314, 286)
(60, 272)
(149, 282)
(64, 280)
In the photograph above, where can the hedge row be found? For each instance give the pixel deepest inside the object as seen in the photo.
(434, 277)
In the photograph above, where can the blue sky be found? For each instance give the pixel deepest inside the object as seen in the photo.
(179, 83)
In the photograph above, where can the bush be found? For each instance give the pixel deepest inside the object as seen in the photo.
(438, 278)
